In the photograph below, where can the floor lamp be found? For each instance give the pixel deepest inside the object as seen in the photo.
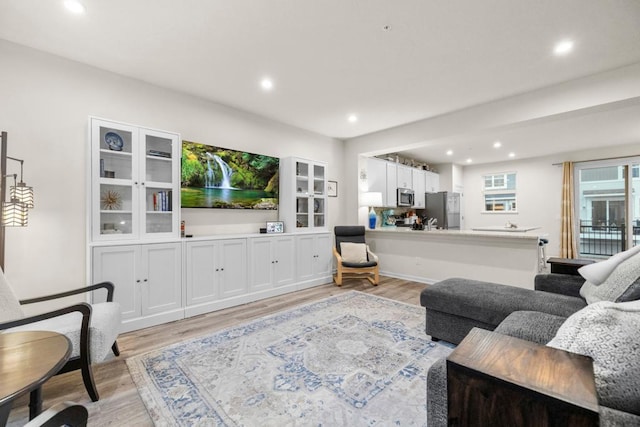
(15, 212)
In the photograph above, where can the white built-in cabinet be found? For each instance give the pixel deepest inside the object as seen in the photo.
(147, 278)
(271, 262)
(392, 185)
(135, 182)
(215, 270)
(418, 179)
(432, 182)
(313, 257)
(386, 177)
(303, 202)
(405, 176)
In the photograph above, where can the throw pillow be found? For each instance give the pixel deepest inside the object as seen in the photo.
(608, 333)
(621, 285)
(353, 252)
(598, 272)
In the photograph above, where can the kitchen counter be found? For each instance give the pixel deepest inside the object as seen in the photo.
(528, 234)
(430, 256)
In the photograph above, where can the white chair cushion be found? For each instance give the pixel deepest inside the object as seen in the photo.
(103, 329)
(9, 305)
(353, 252)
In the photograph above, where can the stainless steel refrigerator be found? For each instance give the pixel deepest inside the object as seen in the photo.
(445, 207)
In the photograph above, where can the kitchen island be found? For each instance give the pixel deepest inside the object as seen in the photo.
(430, 256)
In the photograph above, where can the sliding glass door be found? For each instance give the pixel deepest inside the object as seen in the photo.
(607, 206)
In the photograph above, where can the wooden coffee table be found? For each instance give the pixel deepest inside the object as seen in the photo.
(27, 360)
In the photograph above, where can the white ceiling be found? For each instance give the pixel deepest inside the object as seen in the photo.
(332, 58)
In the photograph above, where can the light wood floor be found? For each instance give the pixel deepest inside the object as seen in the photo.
(120, 404)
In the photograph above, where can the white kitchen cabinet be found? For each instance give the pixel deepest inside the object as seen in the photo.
(147, 279)
(303, 204)
(392, 185)
(271, 262)
(135, 182)
(377, 176)
(405, 176)
(313, 259)
(432, 182)
(215, 270)
(418, 188)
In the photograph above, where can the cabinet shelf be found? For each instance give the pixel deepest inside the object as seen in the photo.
(115, 212)
(115, 153)
(115, 181)
(161, 159)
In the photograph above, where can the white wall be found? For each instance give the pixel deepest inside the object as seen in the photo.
(45, 104)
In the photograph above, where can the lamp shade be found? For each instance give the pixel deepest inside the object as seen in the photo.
(372, 198)
(23, 193)
(14, 214)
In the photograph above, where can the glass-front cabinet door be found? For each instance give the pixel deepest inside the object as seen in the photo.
(114, 167)
(159, 174)
(319, 195)
(303, 196)
(134, 176)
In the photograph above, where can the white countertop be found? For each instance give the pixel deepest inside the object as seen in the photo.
(524, 235)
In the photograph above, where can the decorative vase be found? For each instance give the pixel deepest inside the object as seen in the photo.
(372, 218)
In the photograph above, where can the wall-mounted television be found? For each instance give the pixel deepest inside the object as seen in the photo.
(215, 177)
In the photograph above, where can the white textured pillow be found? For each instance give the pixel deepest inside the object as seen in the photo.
(353, 252)
(621, 285)
(598, 272)
(9, 305)
(608, 333)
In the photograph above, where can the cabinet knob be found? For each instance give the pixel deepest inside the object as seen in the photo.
(138, 281)
(276, 261)
(135, 182)
(217, 269)
(142, 183)
(144, 280)
(222, 269)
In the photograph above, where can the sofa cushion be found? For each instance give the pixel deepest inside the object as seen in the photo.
(598, 272)
(532, 326)
(491, 303)
(623, 284)
(608, 333)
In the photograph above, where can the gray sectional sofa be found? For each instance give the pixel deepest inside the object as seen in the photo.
(556, 314)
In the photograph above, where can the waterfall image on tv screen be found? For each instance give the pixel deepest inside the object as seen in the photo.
(215, 177)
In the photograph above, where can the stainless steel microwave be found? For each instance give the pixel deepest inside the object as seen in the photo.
(405, 197)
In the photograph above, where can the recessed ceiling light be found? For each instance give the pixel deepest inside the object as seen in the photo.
(469, 160)
(353, 118)
(497, 144)
(74, 6)
(512, 154)
(563, 47)
(449, 152)
(266, 83)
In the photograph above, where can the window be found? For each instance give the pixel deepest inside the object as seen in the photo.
(607, 206)
(500, 192)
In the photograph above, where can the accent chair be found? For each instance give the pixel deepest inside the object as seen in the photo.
(353, 256)
(91, 328)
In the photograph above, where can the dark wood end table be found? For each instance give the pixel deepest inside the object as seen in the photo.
(568, 265)
(494, 379)
(27, 360)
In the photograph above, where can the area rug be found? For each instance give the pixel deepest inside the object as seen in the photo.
(350, 360)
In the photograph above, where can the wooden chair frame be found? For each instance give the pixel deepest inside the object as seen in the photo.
(355, 272)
